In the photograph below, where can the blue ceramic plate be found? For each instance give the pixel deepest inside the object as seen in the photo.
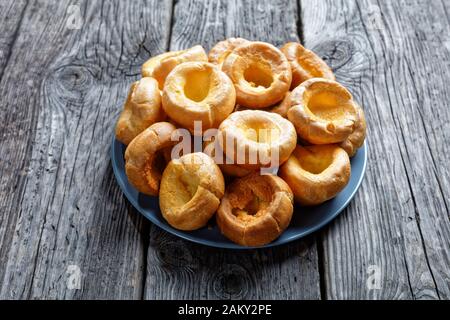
(304, 221)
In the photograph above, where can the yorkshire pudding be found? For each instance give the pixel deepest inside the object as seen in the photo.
(233, 170)
(283, 107)
(222, 49)
(316, 173)
(356, 139)
(305, 64)
(260, 72)
(255, 209)
(142, 108)
(198, 91)
(145, 157)
(322, 111)
(160, 66)
(214, 150)
(255, 138)
(191, 189)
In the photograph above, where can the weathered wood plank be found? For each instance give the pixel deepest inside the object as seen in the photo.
(11, 14)
(393, 57)
(177, 269)
(62, 92)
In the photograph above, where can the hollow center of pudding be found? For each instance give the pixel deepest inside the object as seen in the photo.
(261, 131)
(159, 162)
(258, 75)
(329, 105)
(154, 168)
(186, 184)
(197, 84)
(253, 209)
(314, 162)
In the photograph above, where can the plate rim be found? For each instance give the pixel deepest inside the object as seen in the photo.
(232, 245)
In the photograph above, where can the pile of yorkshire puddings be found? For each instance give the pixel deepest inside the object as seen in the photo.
(244, 89)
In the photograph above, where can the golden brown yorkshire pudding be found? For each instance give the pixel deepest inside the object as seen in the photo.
(255, 209)
(356, 139)
(322, 111)
(233, 170)
(191, 189)
(198, 91)
(145, 157)
(283, 107)
(222, 49)
(160, 66)
(316, 173)
(214, 150)
(253, 138)
(260, 72)
(280, 108)
(240, 108)
(305, 64)
(142, 108)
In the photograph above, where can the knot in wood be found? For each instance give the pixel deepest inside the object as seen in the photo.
(231, 282)
(335, 53)
(69, 83)
(175, 253)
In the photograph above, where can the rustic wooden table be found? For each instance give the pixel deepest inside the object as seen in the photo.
(66, 230)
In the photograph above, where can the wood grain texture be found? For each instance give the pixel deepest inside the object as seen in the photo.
(394, 56)
(61, 90)
(177, 269)
(61, 93)
(11, 14)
